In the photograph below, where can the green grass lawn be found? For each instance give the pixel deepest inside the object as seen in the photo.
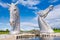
(4, 32)
(7, 32)
(57, 31)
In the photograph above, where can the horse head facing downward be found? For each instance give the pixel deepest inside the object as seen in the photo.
(45, 12)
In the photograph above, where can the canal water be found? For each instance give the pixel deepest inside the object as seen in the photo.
(40, 38)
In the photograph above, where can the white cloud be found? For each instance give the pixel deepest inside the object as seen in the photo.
(3, 4)
(29, 24)
(29, 3)
(7, 24)
(55, 17)
(55, 13)
(32, 7)
(55, 24)
(35, 18)
(4, 26)
(53, 1)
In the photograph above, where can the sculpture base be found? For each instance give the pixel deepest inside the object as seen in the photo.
(14, 32)
(46, 32)
(26, 35)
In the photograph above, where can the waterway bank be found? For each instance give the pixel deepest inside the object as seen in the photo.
(25, 35)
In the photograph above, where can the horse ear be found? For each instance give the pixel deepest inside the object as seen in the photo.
(51, 6)
(16, 3)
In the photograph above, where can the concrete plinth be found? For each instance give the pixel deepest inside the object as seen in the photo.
(14, 32)
(26, 35)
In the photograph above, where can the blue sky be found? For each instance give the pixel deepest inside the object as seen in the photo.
(28, 13)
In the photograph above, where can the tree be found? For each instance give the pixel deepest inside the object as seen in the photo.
(7, 30)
